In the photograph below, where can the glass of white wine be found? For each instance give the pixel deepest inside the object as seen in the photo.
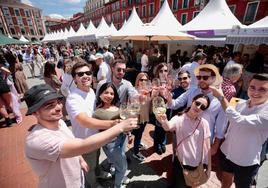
(123, 111)
(159, 106)
(134, 106)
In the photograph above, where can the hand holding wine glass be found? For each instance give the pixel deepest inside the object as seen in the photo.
(159, 106)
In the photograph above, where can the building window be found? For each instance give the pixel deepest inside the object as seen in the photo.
(17, 12)
(129, 12)
(143, 13)
(29, 21)
(175, 4)
(9, 21)
(2, 30)
(22, 31)
(40, 32)
(6, 11)
(137, 10)
(232, 8)
(183, 18)
(27, 13)
(151, 9)
(251, 11)
(123, 15)
(185, 4)
(123, 4)
(20, 21)
(161, 3)
(12, 30)
(32, 31)
(195, 14)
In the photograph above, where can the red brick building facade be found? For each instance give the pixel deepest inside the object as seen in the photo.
(116, 11)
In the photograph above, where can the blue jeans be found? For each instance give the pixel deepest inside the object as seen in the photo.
(159, 136)
(115, 151)
(138, 134)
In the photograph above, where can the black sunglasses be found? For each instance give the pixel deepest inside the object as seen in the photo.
(202, 77)
(143, 80)
(80, 74)
(199, 104)
(183, 78)
(120, 69)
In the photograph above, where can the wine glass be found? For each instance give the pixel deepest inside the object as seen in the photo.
(133, 106)
(123, 111)
(159, 106)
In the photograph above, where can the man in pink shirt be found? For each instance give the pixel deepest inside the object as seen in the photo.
(52, 150)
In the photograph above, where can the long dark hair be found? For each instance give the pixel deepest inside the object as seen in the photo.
(194, 99)
(106, 85)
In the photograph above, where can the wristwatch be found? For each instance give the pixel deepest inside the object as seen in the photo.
(220, 98)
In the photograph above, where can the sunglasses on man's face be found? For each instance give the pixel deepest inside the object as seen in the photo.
(80, 74)
(182, 78)
(199, 104)
(121, 69)
(202, 77)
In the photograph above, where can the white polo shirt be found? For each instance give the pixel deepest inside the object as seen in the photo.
(78, 102)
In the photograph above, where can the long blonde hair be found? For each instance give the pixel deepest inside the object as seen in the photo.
(139, 76)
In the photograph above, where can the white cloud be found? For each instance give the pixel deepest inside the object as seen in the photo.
(72, 1)
(28, 2)
(56, 16)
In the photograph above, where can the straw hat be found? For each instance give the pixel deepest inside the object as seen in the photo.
(218, 78)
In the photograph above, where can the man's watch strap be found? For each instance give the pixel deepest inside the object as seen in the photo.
(220, 98)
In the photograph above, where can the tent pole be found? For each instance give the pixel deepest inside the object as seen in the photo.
(168, 52)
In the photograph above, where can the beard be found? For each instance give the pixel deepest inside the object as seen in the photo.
(204, 86)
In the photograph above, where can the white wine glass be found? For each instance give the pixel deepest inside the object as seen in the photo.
(123, 111)
(159, 106)
(133, 106)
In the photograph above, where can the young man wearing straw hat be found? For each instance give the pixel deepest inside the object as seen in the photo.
(52, 150)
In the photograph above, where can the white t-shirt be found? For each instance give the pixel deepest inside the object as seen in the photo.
(189, 151)
(42, 150)
(78, 102)
(144, 63)
(104, 71)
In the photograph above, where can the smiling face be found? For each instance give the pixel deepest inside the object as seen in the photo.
(184, 80)
(83, 82)
(206, 80)
(107, 96)
(258, 92)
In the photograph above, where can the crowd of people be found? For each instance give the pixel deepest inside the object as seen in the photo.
(110, 94)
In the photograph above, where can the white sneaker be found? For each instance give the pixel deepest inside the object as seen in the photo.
(104, 175)
(112, 169)
(126, 180)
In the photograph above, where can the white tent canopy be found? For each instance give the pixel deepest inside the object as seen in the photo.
(23, 39)
(256, 33)
(90, 31)
(113, 30)
(134, 29)
(216, 19)
(78, 36)
(103, 30)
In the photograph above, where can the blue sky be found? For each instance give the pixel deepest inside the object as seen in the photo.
(65, 8)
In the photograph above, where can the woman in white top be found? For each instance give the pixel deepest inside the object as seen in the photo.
(193, 139)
